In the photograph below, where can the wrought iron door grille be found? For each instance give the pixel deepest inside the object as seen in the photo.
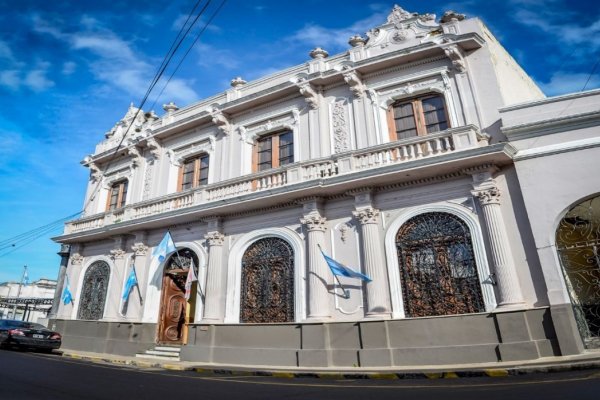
(267, 289)
(578, 245)
(437, 267)
(93, 294)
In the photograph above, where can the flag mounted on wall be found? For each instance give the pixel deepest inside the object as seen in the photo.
(339, 269)
(67, 297)
(191, 277)
(164, 248)
(131, 282)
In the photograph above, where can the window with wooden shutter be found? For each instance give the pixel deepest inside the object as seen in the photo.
(417, 117)
(117, 195)
(274, 151)
(194, 172)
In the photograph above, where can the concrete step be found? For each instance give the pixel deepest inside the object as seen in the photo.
(162, 353)
(168, 349)
(156, 357)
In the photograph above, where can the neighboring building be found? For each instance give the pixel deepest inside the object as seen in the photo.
(31, 303)
(424, 157)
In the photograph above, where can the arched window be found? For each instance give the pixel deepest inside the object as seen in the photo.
(578, 245)
(437, 266)
(267, 290)
(93, 294)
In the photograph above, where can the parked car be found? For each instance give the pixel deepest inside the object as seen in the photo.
(28, 335)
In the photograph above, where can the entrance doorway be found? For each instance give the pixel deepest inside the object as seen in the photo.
(175, 311)
(578, 245)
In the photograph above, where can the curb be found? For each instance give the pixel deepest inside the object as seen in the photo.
(204, 371)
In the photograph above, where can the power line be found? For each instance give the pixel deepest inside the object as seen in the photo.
(16, 242)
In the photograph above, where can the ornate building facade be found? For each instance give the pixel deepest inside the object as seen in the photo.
(423, 156)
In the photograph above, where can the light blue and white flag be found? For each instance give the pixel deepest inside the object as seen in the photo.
(131, 282)
(164, 248)
(67, 297)
(340, 269)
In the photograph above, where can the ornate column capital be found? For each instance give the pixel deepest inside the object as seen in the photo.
(314, 222)
(488, 196)
(76, 259)
(117, 254)
(139, 249)
(215, 238)
(367, 215)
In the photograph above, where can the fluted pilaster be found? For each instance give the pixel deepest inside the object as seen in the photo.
(504, 269)
(214, 299)
(318, 271)
(375, 266)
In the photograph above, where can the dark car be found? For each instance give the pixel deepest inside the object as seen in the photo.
(28, 335)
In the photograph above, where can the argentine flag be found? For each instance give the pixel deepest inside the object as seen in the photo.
(340, 269)
(164, 248)
(131, 282)
(67, 297)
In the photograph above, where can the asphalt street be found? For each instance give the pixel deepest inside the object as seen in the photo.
(25, 375)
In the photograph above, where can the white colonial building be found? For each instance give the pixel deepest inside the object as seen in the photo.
(423, 156)
(27, 302)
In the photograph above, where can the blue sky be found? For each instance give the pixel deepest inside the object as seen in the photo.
(69, 70)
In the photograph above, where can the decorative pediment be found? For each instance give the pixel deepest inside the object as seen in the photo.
(386, 96)
(178, 155)
(274, 122)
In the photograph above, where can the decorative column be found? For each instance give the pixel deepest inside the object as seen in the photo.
(509, 289)
(375, 265)
(318, 271)
(64, 252)
(215, 292)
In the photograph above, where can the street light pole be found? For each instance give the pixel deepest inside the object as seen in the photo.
(14, 316)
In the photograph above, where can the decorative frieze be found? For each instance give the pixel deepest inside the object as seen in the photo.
(341, 138)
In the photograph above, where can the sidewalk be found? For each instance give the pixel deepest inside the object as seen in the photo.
(588, 360)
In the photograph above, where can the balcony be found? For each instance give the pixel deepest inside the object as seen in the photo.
(348, 164)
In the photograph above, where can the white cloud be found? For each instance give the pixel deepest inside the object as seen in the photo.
(565, 82)
(200, 24)
(6, 52)
(37, 81)
(69, 67)
(335, 39)
(210, 56)
(10, 79)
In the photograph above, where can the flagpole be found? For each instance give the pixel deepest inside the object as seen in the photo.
(346, 292)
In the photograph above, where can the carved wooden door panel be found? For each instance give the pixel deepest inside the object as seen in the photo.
(172, 315)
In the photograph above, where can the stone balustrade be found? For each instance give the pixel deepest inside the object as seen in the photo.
(448, 141)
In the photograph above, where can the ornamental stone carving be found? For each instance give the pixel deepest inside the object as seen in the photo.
(237, 82)
(399, 14)
(139, 249)
(455, 55)
(170, 108)
(368, 215)
(357, 41)
(451, 16)
(221, 121)
(489, 196)
(340, 128)
(76, 259)
(310, 95)
(135, 155)
(318, 53)
(117, 254)
(314, 222)
(215, 238)
(353, 79)
(153, 148)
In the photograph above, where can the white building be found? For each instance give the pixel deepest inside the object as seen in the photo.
(423, 156)
(33, 301)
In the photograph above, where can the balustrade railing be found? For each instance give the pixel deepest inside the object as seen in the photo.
(432, 145)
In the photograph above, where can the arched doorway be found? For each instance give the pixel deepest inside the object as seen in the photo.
(267, 289)
(578, 245)
(175, 311)
(93, 293)
(438, 272)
